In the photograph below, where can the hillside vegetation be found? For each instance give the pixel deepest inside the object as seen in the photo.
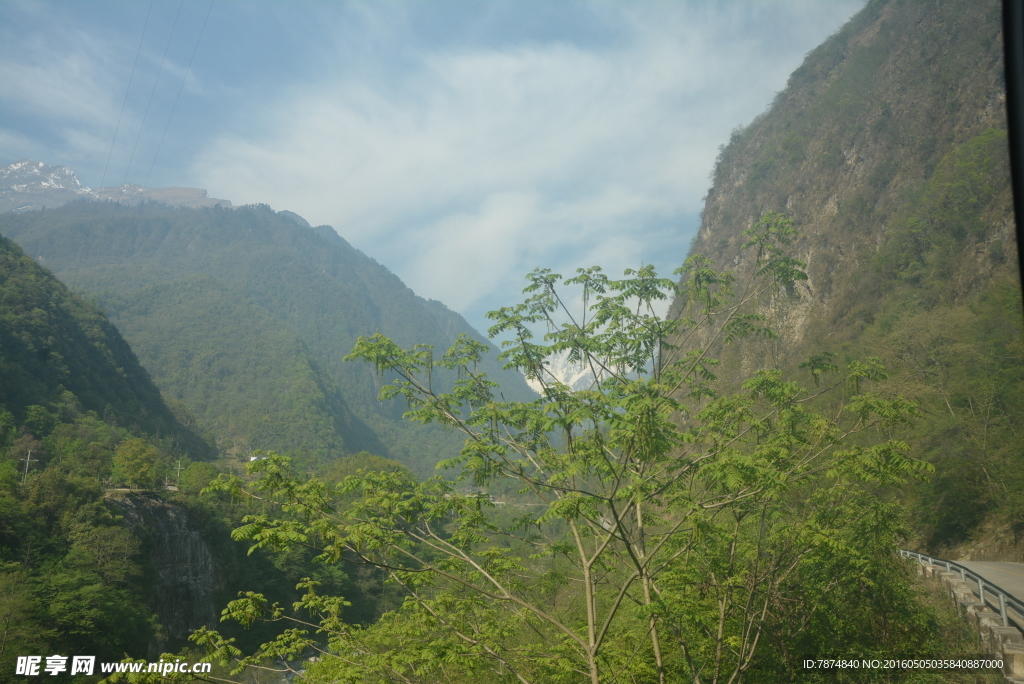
(78, 414)
(244, 316)
(53, 346)
(720, 503)
(888, 150)
(635, 548)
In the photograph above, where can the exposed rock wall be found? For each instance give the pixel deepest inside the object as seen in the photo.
(183, 568)
(862, 128)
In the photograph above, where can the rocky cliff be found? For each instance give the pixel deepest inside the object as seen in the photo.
(180, 563)
(881, 120)
(888, 151)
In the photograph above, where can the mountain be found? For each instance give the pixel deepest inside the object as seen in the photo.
(28, 185)
(888, 151)
(245, 315)
(53, 342)
(87, 566)
(559, 368)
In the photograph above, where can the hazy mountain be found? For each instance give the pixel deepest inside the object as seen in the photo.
(245, 316)
(52, 341)
(27, 185)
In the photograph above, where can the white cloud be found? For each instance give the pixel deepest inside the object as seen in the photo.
(65, 79)
(477, 164)
(72, 85)
(15, 144)
(461, 154)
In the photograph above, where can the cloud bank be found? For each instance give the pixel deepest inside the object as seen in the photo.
(461, 144)
(468, 165)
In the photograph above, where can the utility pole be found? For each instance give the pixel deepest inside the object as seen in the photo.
(28, 459)
(177, 478)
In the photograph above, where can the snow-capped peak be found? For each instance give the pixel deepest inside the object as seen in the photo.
(560, 368)
(28, 185)
(26, 175)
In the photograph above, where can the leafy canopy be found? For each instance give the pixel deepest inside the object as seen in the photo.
(644, 528)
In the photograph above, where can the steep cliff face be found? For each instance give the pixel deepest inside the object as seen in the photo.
(182, 566)
(873, 135)
(888, 151)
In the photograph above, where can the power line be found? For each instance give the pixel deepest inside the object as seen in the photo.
(138, 205)
(180, 88)
(152, 92)
(128, 90)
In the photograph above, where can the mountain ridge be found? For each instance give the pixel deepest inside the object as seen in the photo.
(888, 151)
(51, 342)
(29, 185)
(308, 285)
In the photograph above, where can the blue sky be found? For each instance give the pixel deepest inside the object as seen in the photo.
(459, 143)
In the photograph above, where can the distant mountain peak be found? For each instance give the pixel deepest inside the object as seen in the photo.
(295, 217)
(559, 368)
(28, 175)
(26, 185)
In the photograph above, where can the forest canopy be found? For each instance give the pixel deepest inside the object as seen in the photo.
(651, 527)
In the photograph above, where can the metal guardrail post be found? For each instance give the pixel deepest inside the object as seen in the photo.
(1007, 602)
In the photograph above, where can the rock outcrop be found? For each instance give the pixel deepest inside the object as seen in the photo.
(183, 568)
(877, 121)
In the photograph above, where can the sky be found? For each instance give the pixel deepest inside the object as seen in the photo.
(460, 143)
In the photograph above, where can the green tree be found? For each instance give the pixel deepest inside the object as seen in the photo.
(20, 629)
(354, 464)
(113, 551)
(39, 421)
(135, 462)
(657, 527)
(195, 477)
(7, 427)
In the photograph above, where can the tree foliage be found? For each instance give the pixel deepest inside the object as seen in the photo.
(659, 531)
(52, 342)
(135, 463)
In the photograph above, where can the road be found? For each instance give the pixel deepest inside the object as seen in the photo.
(1008, 576)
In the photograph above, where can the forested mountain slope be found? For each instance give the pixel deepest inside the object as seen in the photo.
(888, 150)
(87, 566)
(245, 316)
(52, 342)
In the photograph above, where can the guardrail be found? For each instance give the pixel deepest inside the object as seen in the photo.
(1005, 598)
